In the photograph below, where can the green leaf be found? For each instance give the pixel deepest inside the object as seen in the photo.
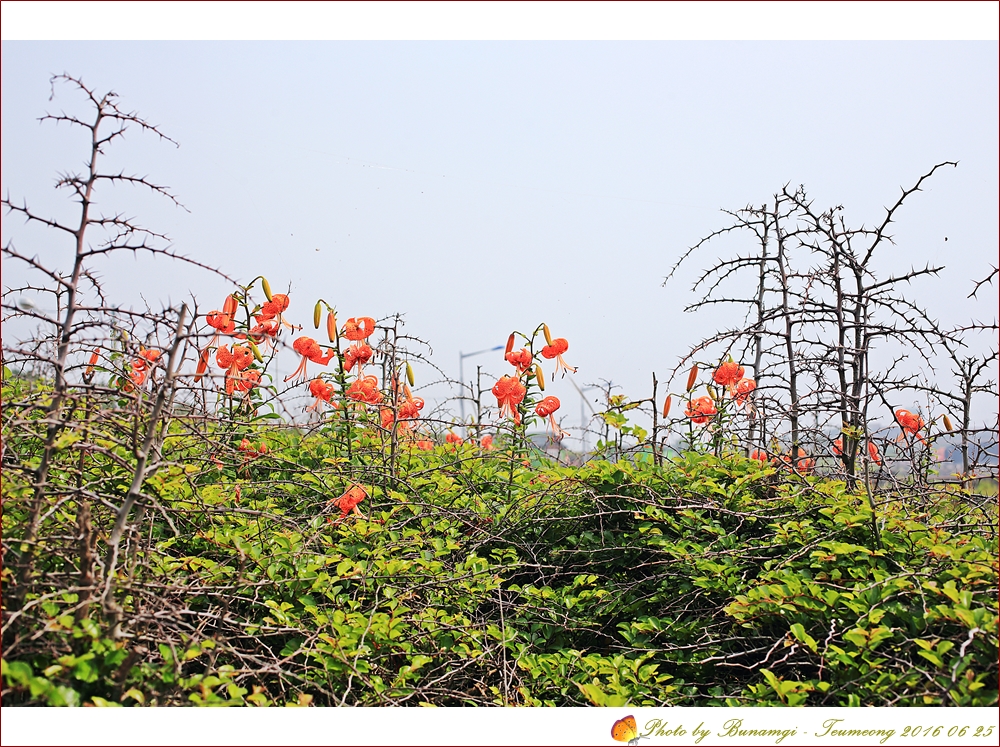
(800, 634)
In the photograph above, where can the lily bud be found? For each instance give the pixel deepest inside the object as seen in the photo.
(947, 423)
(202, 365)
(712, 393)
(89, 373)
(666, 406)
(409, 373)
(548, 335)
(540, 377)
(266, 286)
(317, 310)
(510, 345)
(331, 326)
(256, 351)
(692, 377)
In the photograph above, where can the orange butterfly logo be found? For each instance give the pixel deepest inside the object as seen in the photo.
(624, 730)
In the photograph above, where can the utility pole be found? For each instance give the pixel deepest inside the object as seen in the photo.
(461, 377)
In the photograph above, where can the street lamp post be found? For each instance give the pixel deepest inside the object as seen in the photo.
(583, 400)
(461, 376)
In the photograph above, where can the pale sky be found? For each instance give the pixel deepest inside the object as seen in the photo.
(479, 187)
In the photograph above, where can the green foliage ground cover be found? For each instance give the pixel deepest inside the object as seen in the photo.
(501, 577)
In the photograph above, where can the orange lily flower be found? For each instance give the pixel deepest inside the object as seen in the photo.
(322, 391)
(410, 408)
(387, 418)
(349, 500)
(741, 392)
(759, 455)
(728, 374)
(509, 393)
(140, 366)
(250, 451)
(137, 376)
(235, 364)
(453, 438)
(486, 442)
(365, 389)
(547, 408)
(310, 350)
(274, 309)
(805, 466)
(222, 321)
(521, 360)
(277, 304)
(357, 355)
(838, 450)
(700, 410)
(425, 445)
(911, 424)
(360, 328)
(266, 330)
(555, 350)
(248, 381)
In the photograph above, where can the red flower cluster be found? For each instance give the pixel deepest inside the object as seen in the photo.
(250, 451)
(838, 450)
(141, 366)
(236, 364)
(237, 361)
(510, 390)
(805, 465)
(730, 375)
